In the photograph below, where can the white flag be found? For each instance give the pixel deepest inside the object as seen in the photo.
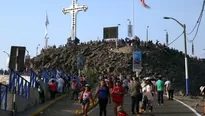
(46, 24)
(47, 21)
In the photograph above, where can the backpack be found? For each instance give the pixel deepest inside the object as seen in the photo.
(170, 86)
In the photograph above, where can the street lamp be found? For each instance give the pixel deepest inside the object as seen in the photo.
(37, 49)
(167, 37)
(185, 53)
(7, 53)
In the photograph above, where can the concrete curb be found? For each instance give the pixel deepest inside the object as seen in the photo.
(186, 105)
(48, 105)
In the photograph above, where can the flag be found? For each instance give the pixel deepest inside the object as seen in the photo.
(46, 24)
(144, 4)
(47, 21)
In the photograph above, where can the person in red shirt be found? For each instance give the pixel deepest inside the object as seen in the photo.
(75, 89)
(52, 89)
(117, 95)
(121, 112)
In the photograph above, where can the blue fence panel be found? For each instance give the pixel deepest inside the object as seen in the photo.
(45, 76)
(33, 78)
(3, 95)
(53, 73)
(19, 85)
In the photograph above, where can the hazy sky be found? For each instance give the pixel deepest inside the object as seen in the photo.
(22, 22)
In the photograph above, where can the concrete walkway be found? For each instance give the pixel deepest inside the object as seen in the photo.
(170, 108)
(67, 107)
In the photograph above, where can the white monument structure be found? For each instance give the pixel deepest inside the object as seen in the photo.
(73, 10)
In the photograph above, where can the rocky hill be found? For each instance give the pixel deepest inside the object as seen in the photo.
(157, 60)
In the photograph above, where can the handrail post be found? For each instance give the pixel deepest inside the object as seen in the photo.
(5, 102)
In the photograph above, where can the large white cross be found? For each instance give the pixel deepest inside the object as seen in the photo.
(73, 10)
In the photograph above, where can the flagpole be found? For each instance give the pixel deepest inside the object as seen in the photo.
(46, 31)
(133, 17)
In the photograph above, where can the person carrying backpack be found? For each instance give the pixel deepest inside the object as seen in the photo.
(103, 94)
(170, 89)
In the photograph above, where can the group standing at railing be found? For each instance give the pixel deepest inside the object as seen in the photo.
(58, 82)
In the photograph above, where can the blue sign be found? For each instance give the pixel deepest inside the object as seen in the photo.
(137, 61)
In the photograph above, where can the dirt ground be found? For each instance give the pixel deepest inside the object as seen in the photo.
(196, 103)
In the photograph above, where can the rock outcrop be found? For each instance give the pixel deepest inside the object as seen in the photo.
(157, 60)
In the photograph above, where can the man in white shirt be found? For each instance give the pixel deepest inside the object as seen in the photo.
(167, 83)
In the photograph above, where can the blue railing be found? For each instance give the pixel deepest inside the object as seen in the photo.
(3, 95)
(53, 73)
(45, 76)
(33, 78)
(19, 85)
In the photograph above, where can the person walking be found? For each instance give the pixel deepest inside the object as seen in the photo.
(85, 99)
(52, 89)
(149, 95)
(75, 88)
(39, 86)
(117, 95)
(170, 89)
(160, 90)
(136, 95)
(103, 95)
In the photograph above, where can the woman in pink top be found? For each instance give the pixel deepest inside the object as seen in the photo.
(85, 98)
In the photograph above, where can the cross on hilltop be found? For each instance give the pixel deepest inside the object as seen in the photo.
(73, 10)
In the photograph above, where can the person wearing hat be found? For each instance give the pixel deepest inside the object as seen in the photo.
(85, 98)
(117, 95)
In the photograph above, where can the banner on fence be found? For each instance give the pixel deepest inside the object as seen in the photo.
(137, 61)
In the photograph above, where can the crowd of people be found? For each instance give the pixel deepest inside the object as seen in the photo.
(114, 88)
(4, 72)
(61, 84)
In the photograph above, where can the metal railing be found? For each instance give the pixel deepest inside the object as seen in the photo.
(45, 76)
(19, 85)
(33, 78)
(3, 95)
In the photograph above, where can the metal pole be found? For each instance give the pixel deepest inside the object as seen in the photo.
(186, 63)
(117, 36)
(147, 34)
(14, 94)
(133, 16)
(37, 49)
(185, 52)
(167, 37)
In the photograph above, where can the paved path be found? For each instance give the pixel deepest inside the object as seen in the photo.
(67, 107)
(170, 108)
